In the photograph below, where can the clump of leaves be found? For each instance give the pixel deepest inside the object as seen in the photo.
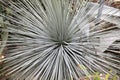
(50, 39)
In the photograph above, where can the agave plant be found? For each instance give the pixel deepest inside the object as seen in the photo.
(59, 39)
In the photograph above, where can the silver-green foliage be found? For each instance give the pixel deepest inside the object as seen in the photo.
(58, 40)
